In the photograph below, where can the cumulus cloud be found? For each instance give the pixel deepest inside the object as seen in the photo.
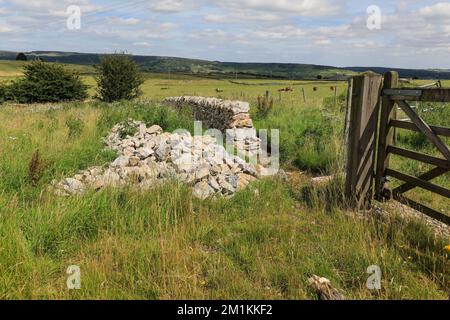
(123, 21)
(4, 29)
(438, 10)
(298, 7)
(142, 44)
(171, 6)
(306, 31)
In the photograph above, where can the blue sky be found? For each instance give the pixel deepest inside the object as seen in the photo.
(413, 34)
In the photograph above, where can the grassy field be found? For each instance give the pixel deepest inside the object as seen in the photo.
(262, 244)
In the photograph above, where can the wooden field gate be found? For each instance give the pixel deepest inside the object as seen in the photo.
(371, 140)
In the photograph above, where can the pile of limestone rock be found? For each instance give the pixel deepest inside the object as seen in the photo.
(148, 156)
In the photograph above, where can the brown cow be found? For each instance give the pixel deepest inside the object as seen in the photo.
(287, 89)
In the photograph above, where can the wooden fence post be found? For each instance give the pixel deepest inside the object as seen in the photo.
(362, 136)
(386, 136)
(335, 96)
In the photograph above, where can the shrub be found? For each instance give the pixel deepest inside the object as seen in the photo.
(44, 82)
(21, 57)
(129, 129)
(119, 78)
(5, 94)
(2, 93)
(76, 126)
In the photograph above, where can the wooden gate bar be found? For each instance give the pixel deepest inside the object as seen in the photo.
(418, 182)
(442, 163)
(403, 94)
(430, 175)
(425, 128)
(418, 94)
(445, 132)
(424, 209)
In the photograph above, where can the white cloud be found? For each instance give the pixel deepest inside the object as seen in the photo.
(123, 21)
(242, 17)
(172, 6)
(279, 33)
(323, 42)
(298, 7)
(4, 29)
(52, 7)
(237, 30)
(144, 44)
(215, 18)
(438, 10)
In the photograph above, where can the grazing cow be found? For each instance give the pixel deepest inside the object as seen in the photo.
(287, 89)
(315, 88)
(219, 90)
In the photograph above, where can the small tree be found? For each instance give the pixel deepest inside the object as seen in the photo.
(21, 57)
(2, 93)
(46, 82)
(119, 78)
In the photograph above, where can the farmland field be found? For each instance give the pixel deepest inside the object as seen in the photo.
(264, 243)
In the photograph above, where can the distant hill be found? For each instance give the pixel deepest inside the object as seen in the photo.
(407, 73)
(217, 69)
(196, 67)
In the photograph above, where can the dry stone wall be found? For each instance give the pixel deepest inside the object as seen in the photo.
(216, 113)
(230, 117)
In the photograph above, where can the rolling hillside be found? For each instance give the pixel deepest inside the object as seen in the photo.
(217, 69)
(204, 68)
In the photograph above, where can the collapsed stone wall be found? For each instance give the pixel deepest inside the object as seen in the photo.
(230, 117)
(151, 157)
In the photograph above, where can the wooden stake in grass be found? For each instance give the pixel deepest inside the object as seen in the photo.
(335, 97)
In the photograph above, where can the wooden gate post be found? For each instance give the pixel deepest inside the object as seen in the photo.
(386, 136)
(362, 134)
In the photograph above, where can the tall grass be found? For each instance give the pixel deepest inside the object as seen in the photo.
(165, 244)
(310, 136)
(69, 140)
